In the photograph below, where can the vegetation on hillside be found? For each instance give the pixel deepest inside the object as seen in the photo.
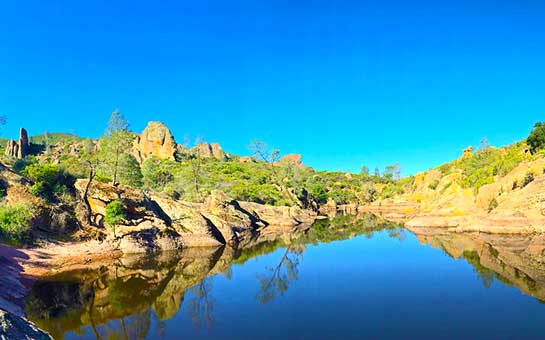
(486, 164)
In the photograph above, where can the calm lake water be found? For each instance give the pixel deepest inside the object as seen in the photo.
(346, 278)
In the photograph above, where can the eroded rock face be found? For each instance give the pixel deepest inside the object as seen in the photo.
(207, 150)
(186, 219)
(233, 222)
(155, 141)
(293, 159)
(280, 216)
(18, 149)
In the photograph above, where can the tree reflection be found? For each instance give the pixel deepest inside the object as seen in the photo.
(397, 233)
(485, 275)
(277, 279)
(201, 307)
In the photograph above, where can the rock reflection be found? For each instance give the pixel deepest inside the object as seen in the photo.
(116, 300)
(516, 260)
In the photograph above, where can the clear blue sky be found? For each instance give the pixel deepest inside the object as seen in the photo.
(344, 83)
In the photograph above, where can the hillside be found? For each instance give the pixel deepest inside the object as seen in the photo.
(61, 186)
(491, 189)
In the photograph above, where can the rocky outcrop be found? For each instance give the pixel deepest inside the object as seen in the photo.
(189, 222)
(467, 152)
(155, 141)
(18, 149)
(207, 150)
(280, 216)
(158, 222)
(233, 222)
(291, 159)
(16, 327)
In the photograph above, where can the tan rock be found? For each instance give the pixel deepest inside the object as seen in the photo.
(293, 159)
(467, 152)
(18, 149)
(207, 150)
(155, 141)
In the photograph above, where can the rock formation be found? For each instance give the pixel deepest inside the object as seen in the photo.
(155, 141)
(207, 150)
(467, 152)
(294, 159)
(18, 149)
(160, 223)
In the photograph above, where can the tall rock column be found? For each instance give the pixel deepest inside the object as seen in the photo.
(18, 149)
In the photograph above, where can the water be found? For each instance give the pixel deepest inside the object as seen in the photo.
(346, 278)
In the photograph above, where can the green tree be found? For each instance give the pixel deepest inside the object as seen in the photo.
(49, 181)
(115, 148)
(115, 214)
(364, 171)
(536, 140)
(15, 222)
(157, 173)
(393, 172)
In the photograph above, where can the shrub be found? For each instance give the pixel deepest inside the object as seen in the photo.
(515, 184)
(529, 178)
(536, 140)
(115, 213)
(49, 181)
(20, 164)
(492, 205)
(433, 185)
(15, 222)
(3, 188)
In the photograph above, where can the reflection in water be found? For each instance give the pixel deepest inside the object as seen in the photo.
(201, 307)
(276, 280)
(516, 260)
(115, 301)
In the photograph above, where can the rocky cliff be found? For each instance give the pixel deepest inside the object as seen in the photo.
(207, 150)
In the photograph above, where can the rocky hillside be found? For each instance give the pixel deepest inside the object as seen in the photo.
(492, 189)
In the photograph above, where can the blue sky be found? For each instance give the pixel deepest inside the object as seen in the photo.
(344, 83)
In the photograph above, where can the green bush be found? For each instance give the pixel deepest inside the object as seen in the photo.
(529, 178)
(433, 185)
(49, 180)
(115, 213)
(515, 184)
(20, 164)
(15, 222)
(492, 205)
(536, 140)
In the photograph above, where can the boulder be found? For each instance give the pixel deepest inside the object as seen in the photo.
(233, 222)
(18, 149)
(155, 141)
(186, 219)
